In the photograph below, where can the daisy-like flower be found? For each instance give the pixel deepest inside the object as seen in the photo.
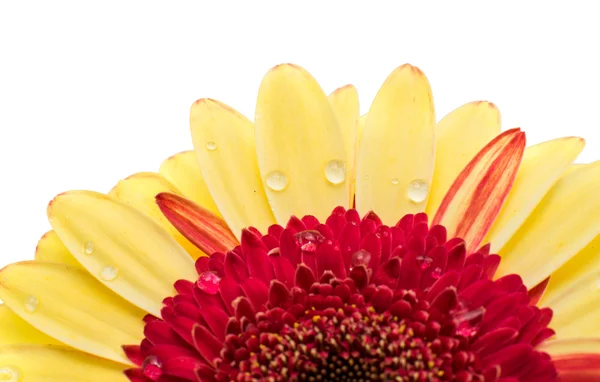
(317, 245)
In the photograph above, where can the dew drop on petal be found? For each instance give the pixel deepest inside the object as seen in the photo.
(418, 191)
(211, 146)
(276, 180)
(89, 248)
(360, 257)
(10, 374)
(424, 261)
(436, 273)
(109, 273)
(208, 282)
(335, 171)
(309, 240)
(395, 181)
(152, 368)
(31, 304)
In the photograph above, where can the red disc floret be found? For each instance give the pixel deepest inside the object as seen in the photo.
(348, 300)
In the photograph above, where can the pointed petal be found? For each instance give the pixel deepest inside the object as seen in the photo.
(106, 235)
(458, 138)
(139, 191)
(51, 249)
(183, 171)
(16, 331)
(476, 196)
(344, 102)
(39, 363)
(200, 226)
(563, 223)
(301, 153)
(584, 264)
(542, 165)
(396, 154)
(225, 145)
(70, 305)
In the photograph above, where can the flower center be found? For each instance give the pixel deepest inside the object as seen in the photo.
(348, 300)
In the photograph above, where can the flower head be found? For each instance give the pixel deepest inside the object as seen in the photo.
(315, 244)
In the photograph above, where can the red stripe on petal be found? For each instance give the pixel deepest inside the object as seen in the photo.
(476, 196)
(205, 230)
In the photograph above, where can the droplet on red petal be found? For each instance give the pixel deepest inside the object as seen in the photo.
(309, 240)
(152, 368)
(424, 262)
(361, 257)
(208, 282)
(436, 273)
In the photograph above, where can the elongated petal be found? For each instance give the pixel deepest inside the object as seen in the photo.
(122, 247)
(70, 305)
(396, 153)
(361, 128)
(225, 145)
(458, 138)
(563, 223)
(38, 363)
(16, 331)
(584, 264)
(576, 360)
(139, 191)
(51, 249)
(208, 232)
(475, 198)
(541, 167)
(300, 147)
(344, 102)
(575, 309)
(183, 170)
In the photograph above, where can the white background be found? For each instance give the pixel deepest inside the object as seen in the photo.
(92, 93)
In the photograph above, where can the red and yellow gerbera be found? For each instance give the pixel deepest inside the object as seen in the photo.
(318, 245)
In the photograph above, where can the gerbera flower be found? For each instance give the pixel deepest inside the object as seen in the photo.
(327, 247)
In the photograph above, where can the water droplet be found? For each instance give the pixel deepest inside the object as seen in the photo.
(418, 191)
(335, 171)
(211, 146)
(109, 273)
(424, 261)
(152, 368)
(31, 303)
(395, 181)
(208, 282)
(276, 181)
(10, 374)
(360, 257)
(89, 248)
(436, 273)
(309, 240)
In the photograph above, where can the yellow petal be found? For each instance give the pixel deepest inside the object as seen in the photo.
(122, 247)
(576, 312)
(70, 305)
(54, 363)
(139, 191)
(563, 223)
(184, 172)
(224, 143)
(560, 347)
(585, 263)
(14, 330)
(301, 153)
(396, 153)
(458, 137)
(344, 102)
(51, 249)
(361, 128)
(542, 165)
